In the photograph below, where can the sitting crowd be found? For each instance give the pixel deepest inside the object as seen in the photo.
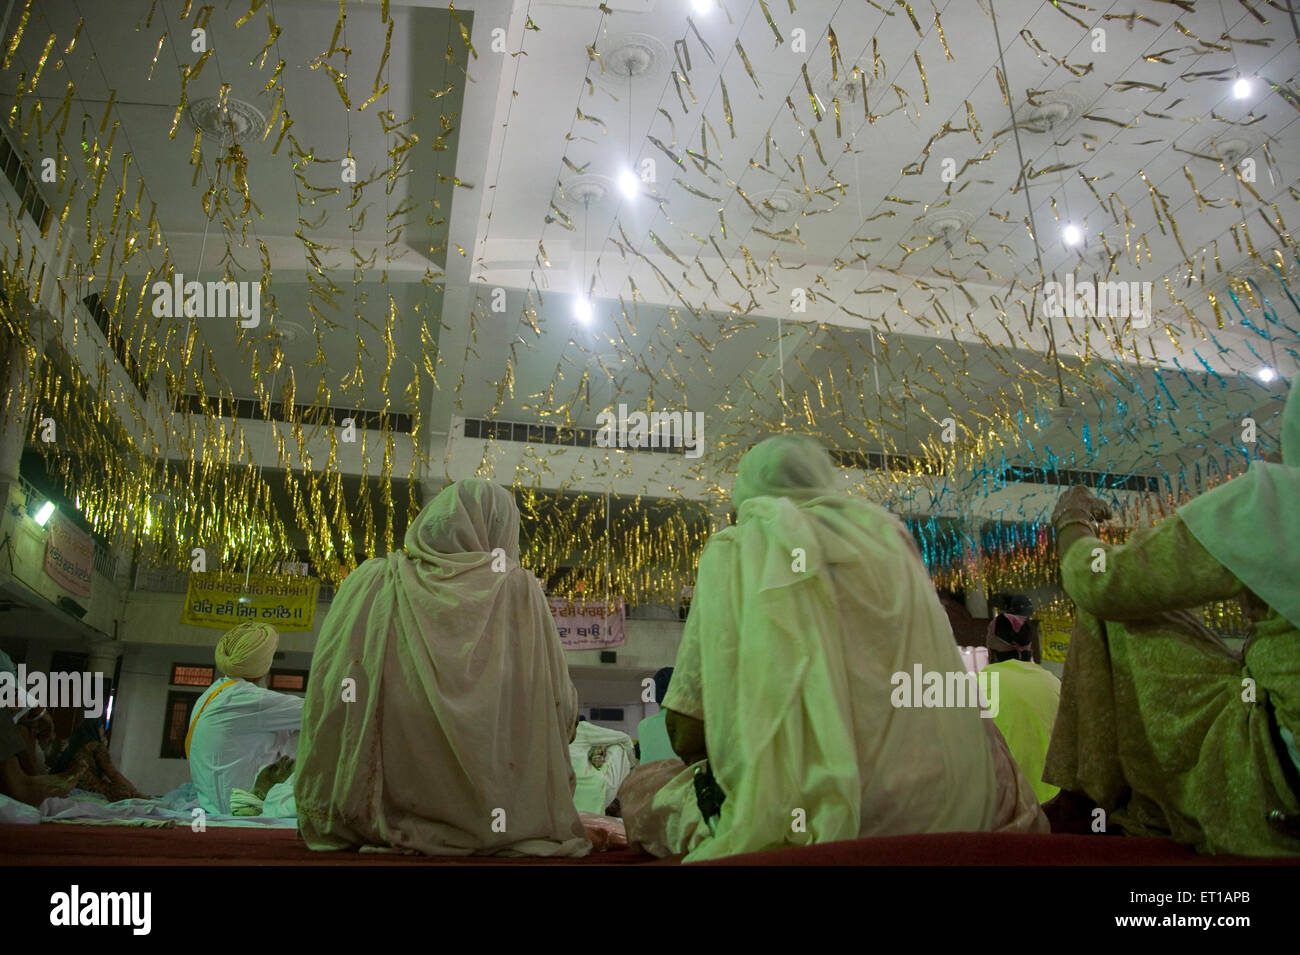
(440, 718)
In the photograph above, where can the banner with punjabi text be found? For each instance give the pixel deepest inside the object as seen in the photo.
(586, 624)
(285, 602)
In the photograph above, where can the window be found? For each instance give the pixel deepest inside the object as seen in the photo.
(176, 723)
(192, 674)
(69, 661)
(288, 681)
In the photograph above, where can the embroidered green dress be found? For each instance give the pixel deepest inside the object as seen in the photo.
(1161, 723)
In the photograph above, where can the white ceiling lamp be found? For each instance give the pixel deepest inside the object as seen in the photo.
(582, 309)
(702, 7)
(1241, 89)
(629, 184)
(1266, 374)
(1071, 234)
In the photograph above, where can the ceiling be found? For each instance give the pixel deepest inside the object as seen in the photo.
(684, 319)
(367, 291)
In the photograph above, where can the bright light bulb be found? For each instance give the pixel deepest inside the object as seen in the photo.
(1072, 234)
(629, 184)
(582, 311)
(46, 511)
(1241, 88)
(1266, 374)
(702, 7)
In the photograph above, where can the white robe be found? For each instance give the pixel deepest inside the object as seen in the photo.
(439, 707)
(789, 663)
(242, 730)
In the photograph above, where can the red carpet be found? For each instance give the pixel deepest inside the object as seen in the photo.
(64, 845)
(986, 848)
(67, 845)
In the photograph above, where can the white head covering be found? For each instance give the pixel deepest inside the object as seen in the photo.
(248, 650)
(1251, 524)
(463, 708)
(802, 613)
(793, 466)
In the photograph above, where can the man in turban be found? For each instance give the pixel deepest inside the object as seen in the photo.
(238, 727)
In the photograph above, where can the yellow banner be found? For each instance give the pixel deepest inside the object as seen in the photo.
(222, 601)
(1054, 632)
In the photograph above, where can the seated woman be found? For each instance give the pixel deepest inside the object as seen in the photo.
(439, 709)
(74, 743)
(602, 759)
(1028, 697)
(239, 727)
(782, 694)
(1161, 724)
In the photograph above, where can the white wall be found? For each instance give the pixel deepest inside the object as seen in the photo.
(156, 618)
(651, 644)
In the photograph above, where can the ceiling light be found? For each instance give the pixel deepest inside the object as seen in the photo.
(1072, 234)
(1266, 374)
(1241, 88)
(44, 513)
(629, 184)
(582, 310)
(702, 7)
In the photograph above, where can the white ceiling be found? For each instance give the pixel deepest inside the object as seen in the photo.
(686, 342)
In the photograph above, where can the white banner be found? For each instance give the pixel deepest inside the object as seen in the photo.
(586, 624)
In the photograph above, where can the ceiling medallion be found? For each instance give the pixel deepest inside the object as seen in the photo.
(844, 84)
(585, 190)
(234, 122)
(949, 226)
(632, 56)
(1053, 112)
(776, 203)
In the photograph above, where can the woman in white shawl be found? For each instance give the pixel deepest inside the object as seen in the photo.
(804, 611)
(439, 709)
(602, 758)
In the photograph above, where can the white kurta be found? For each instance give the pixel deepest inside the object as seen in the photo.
(244, 729)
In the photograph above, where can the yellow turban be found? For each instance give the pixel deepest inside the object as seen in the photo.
(247, 650)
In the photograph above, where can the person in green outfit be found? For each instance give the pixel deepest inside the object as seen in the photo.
(1161, 724)
(1028, 697)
